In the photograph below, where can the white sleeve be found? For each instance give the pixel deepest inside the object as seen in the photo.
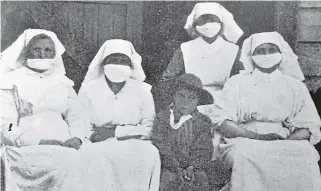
(225, 105)
(305, 115)
(9, 117)
(144, 128)
(78, 115)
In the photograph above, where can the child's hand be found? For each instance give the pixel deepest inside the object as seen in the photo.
(181, 173)
(189, 173)
(49, 142)
(74, 143)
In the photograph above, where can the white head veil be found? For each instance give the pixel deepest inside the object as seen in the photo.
(289, 64)
(113, 46)
(9, 57)
(231, 30)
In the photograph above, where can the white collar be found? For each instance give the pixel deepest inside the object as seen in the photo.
(265, 76)
(216, 44)
(182, 120)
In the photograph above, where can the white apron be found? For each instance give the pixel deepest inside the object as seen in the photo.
(212, 63)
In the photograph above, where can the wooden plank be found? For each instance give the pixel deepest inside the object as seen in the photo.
(105, 23)
(309, 25)
(75, 20)
(119, 21)
(310, 58)
(309, 4)
(285, 20)
(90, 23)
(135, 23)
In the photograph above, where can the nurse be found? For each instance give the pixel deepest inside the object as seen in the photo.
(212, 53)
(118, 115)
(269, 121)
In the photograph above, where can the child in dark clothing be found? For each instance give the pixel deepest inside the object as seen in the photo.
(183, 136)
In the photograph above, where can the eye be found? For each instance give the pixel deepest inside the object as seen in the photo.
(36, 49)
(259, 52)
(273, 50)
(179, 95)
(49, 50)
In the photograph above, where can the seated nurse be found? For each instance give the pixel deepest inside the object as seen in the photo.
(118, 114)
(36, 96)
(212, 53)
(269, 121)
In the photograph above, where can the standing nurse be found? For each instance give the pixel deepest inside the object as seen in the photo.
(212, 54)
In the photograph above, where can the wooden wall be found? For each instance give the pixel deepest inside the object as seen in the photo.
(308, 45)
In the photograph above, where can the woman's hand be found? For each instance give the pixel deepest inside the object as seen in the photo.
(102, 133)
(270, 137)
(299, 134)
(74, 143)
(26, 108)
(49, 142)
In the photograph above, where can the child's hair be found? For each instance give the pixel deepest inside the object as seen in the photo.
(182, 85)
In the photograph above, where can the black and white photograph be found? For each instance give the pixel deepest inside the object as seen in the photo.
(160, 95)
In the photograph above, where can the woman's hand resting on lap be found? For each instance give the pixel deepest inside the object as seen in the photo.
(74, 143)
(270, 137)
(101, 133)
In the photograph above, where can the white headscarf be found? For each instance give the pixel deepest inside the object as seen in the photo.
(289, 64)
(231, 30)
(113, 46)
(9, 57)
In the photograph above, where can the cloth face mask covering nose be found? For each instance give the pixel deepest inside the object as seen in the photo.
(209, 29)
(117, 73)
(40, 64)
(267, 61)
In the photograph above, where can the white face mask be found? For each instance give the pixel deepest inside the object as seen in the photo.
(209, 29)
(40, 64)
(268, 60)
(117, 73)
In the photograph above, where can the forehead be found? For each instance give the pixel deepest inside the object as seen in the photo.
(44, 42)
(209, 17)
(118, 56)
(267, 46)
(185, 91)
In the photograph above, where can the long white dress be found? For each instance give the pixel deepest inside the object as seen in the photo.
(135, 163)
(44, 167)
(270, 103)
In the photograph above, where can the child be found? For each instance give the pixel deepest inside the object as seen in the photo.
(183, 136)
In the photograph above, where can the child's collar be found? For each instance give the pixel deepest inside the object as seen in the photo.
(178, 115)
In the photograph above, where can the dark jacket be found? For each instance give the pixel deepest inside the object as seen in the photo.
(166, 139)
